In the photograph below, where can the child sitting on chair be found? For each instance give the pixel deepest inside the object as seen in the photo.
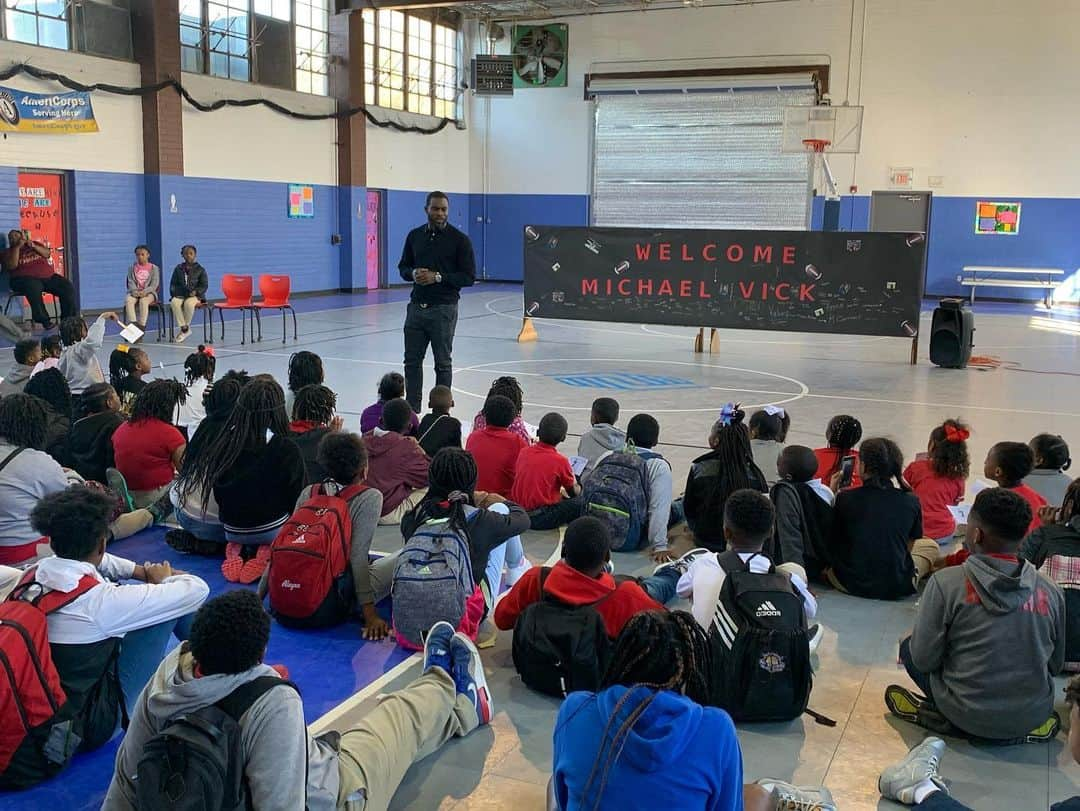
(187, 290)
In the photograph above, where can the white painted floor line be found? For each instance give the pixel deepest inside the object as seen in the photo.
(556, 554)
(957, 406)
(321, 725)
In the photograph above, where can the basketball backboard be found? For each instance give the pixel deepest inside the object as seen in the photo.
(841, 126)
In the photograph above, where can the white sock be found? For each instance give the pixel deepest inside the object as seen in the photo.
(925, 789)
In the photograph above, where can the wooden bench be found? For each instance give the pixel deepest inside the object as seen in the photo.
(990, 276)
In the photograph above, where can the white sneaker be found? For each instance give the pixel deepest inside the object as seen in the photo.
(182, 336)
(816, 634)
(515, 573)
(899, 781)
(798, 798)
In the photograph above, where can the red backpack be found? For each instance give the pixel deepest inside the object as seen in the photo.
(32, 700)
(310, 579)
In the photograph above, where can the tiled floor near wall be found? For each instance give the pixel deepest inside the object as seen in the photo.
(507, 765)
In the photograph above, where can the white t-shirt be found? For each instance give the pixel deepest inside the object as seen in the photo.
(702, 581)
(192, 412)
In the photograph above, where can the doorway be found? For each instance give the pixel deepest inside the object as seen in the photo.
(375, 273)
(43, 212)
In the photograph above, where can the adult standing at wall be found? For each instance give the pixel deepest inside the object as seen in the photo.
(31, 275)
(438, 259)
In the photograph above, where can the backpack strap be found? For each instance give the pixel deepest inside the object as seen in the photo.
(50, 601)
(10, 456)
(431, 427)
(731, 562)
(352, 491)
(544, 572)
(239, 701)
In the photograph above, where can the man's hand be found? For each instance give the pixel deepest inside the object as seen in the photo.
(423, 277)
(661, 555)
(375, 627)
(157, 572)
(1048, 515)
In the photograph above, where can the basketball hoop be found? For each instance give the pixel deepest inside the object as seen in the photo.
(816, 145)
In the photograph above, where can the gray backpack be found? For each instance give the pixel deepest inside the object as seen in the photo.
(433, 580)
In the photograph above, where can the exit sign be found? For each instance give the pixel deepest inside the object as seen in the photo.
(493, 75)
(900, 177)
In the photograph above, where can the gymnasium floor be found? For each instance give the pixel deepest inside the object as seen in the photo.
(507, 765)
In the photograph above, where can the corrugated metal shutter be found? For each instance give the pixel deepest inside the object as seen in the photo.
(698, 160)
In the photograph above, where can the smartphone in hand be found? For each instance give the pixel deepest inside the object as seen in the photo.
(847, 470)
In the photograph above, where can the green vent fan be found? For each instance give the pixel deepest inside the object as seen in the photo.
(540, 55)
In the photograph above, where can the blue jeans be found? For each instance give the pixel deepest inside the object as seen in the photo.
(251, 538)
(678, 513)
(922, 680)
(661, 585)
(141, 652)
(203, 530)
(510, 553)
(940, 801)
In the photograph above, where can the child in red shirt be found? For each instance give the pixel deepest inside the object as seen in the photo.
(842, 434)
(544, 482)
(938, 478)
(495, 448)
(1008, 463)
(579, 579)
(148, 448)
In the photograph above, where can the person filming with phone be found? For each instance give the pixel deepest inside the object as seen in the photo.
(876, 546)
(31, 275)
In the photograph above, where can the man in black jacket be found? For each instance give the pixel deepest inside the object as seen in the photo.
(438, 259)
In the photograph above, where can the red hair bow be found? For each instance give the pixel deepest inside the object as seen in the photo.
(207, 350)
(955, 434)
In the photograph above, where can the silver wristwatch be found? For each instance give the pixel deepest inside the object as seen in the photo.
(438, 278)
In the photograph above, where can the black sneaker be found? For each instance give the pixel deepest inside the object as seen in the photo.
(184, 542)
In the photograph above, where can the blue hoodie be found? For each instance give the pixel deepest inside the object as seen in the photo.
(678, 754)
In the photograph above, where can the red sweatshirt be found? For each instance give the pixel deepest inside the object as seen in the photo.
(567, 584)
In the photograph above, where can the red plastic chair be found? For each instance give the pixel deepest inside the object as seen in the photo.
(237, 291)
(275, 292)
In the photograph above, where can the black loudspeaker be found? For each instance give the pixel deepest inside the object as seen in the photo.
(952, 334)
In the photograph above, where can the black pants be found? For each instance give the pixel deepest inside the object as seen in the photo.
(33, 288)
(435, 325)
(556, 515)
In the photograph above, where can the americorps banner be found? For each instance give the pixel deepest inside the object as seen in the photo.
(45, 113)
(798, 281)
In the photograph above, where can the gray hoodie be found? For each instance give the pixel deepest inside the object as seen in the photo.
(79, 362)
(15, 380)
(598, 441)
(276, 745)
(991, 636)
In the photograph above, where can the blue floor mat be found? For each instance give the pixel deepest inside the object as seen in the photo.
(327, 665)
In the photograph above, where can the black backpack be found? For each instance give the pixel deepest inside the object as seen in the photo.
(760, 647)
(559, 648)
(195, 762)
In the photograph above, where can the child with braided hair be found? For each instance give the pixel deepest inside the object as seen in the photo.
(493, 533)
(842, 435)
(938, 478)
(127, 366)
(255, 480)
(728, 467)
(199, 369)
(148, 448)
(644, 739)
(509, 388)
(313, 418)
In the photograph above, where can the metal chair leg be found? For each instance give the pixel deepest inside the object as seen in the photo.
(294, 332)
(258, 320)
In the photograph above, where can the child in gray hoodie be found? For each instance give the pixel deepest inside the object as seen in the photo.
(27, 354)
(989, 636)
(358, 769)
(603, 438)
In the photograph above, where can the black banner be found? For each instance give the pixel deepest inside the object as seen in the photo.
(796, 281)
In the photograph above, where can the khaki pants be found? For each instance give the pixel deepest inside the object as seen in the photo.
(183, 310)
(143, 303)
(404, 728)
(144, 498)
(128, 524)
(393, 518)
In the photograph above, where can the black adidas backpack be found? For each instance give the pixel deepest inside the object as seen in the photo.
(195, 763)
(760, 647)
(559, 648)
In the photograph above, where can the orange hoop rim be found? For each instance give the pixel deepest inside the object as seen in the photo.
(816, 144)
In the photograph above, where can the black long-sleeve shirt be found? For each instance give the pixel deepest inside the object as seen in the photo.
(447, 252)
